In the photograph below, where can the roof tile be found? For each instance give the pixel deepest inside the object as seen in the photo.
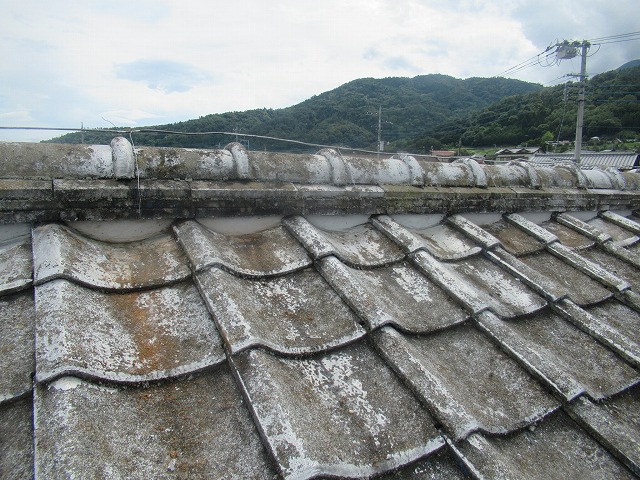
(268, 252)
(468, 383)
(125, 337)
(16, 344)
(361, 246)
(194, 427)
(614, 423)
(514, 240)
(59, 252)
(581, 289)
(397, 295)
(16, 440)
(297, 313)
(550, 450)
(554, 350)
(364, 430)
(16, 265)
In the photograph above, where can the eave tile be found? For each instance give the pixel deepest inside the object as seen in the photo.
(469, 383)
(191, 428)
(294, 314)
(124, 337)
(60, 252)
(553, 449)
(333, 414)
(267, 252)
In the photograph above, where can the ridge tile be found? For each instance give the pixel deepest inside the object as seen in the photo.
(468, 383)
(123, 337)
(334, 414)
(269, 252)
(293, 314)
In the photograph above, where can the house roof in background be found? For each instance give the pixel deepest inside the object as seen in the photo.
(333, 338)
(619, 160)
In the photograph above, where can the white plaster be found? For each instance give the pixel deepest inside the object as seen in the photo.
(483, 218)
(337, 222)
(418, 222)
(66, 383)
(536, 217)
(240, 225)
(116, 231)
(584, 215)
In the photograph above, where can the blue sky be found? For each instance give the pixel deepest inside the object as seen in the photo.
(136, 63)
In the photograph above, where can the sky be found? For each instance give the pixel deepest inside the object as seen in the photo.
(134, 63)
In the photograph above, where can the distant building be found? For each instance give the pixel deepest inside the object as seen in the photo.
(506, 154)
(619, 160)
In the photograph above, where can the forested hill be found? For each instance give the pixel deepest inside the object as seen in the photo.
(347, 115)
(612, 111)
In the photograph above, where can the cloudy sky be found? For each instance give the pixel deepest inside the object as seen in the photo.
(148, 62)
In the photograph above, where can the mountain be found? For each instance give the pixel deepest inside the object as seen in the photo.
(631, 64)
(347, 115)
(612, 110)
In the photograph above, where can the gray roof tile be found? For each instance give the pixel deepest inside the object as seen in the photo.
(446, 243)
(16, 440)
(581, 289)
(550, 450)
(17, 364)
(614, 423)
(439, 465)
(268, 252)
(194, 427)
(468, 383)
(59, 252)
(508, 296)
(568, 237)
(398, 295)
(294, 314)
(514, 240)
(555, 351)
(361, 245)
(364, 429)
(124, 337)
(16, 265)
(618, 233)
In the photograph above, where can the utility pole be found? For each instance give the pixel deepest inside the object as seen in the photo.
(580, 121)
(566, 50)
(379, 129)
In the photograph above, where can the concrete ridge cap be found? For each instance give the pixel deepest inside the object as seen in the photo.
(235, 162)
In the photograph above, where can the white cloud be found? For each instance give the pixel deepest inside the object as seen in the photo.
(152, 62)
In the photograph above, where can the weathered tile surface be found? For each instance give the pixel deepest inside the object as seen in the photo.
(363, 429)
(269, 252)
(16, 266)
(59, 252)
(446, 243)
(190, 428)
(293, 314)
(468, 383)
(134, 336)
(514, 240)
(16, 440)
(17, 320)
(554, 449)
(398, 294)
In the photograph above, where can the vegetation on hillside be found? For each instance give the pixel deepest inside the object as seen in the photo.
(420, 113)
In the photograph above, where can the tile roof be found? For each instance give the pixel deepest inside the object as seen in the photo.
(621, 160)
(486, 327)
